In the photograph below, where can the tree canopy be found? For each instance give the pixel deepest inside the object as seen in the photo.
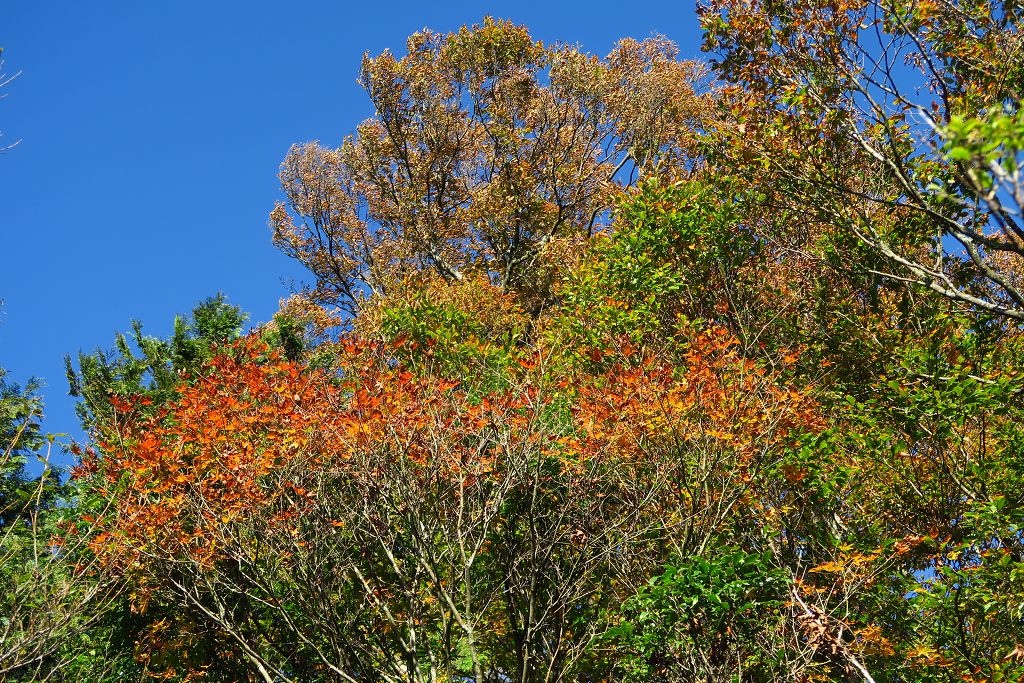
(631, 368)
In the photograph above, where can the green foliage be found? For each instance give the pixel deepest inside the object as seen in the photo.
(448, 334)
(702, 617)
(474, 335)
(51, 594)
(289, 335)
(676, 250)
(148, 365)
(996, 137)
(23, 445)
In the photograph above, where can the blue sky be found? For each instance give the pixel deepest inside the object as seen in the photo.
(151, 134)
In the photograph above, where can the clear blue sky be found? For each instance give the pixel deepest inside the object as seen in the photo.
(151, 134)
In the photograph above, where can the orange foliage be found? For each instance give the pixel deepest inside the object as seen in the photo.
(256, 437)
(716, 398)
(205, 459)
(247, 437)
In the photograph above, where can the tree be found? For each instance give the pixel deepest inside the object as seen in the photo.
(684, 451)
(20, 433)
(382, 521)
(912, 464)
(157, 370)
(895, 122)
(902, 178)
(52, 589)
(489, 155)
(126, 642)
(361, 531)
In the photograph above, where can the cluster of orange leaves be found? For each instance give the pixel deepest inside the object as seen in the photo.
(202, 460)
(251, 434)
(254, 436)
(716, 399)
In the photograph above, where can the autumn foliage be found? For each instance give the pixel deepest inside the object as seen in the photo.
(448, 515)
(487, 151)
(606, 371)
